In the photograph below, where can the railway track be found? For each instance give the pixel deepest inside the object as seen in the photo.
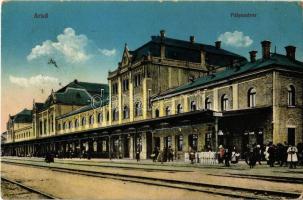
(28, 189)
(263, 177)
(224, 190)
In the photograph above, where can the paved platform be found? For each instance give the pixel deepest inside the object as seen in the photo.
(196, 173)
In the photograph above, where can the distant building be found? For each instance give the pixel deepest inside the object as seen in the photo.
(176, 93)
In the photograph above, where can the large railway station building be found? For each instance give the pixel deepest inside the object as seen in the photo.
(169, 92)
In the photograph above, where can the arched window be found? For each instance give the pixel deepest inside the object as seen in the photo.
(91, 119)
(224, 102)
(76, 123)
(138, 109)
(157, 113)
(83, 122)
(193, 106)
(125, 112)
(100, 118)
(179, 109)
(167, 111)
(70, 124)
(291, 97)
(207, 103)
(251, 96)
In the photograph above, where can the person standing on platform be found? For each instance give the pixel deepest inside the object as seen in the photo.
(227, 156)
(170, 154)
(138, 153)
(258, 154)
(292, 157)
(221, 154)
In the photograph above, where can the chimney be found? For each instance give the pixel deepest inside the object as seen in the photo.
(192, 39)
(218, 44)
(162, 33)
(253, 56)
(291, 52)
(76, 81)
(265, 49)
(202, 56)
(162, 45)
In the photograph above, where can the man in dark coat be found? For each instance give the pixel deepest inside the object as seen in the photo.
(227, 157)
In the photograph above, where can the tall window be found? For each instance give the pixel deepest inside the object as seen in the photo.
(157, 113)
(193, 106)
(83, 122)
(115, 88)
(115, 114)
(125, 112)
(100, 118)
(138, 109)
(291, 100)
(167, 111)
(224, 102)
(40, 127)
(91, 119)
(251, 97)
(64, 125)
(137, 80)
(179, 108)
(45, 124)
(70, 125)
(76, 123)
(107, 116)
(125, 84)
(208, 103)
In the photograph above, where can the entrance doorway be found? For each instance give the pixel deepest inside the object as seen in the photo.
(291, 136)
(193, 141)
(167, 141)
(157, 142)
(149, 144)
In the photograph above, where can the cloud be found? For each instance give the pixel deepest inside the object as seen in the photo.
(38, 80)
(108, 52)
(68, 44)
(235, 39)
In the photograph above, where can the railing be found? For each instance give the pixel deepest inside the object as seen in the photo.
(203, 158)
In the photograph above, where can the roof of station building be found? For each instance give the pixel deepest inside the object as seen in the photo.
(91, 106)
(75, 93)
(274, 60)
(25, 116)
(186, 51)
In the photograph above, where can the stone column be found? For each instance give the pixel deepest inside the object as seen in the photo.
(131, 146)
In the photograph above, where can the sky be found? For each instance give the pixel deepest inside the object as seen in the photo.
(86, 39)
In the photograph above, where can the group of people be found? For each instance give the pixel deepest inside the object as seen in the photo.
(284, 154)
(226, 155)
(281, 154)
(167, 154)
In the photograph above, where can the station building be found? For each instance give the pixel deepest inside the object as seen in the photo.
(169, 92)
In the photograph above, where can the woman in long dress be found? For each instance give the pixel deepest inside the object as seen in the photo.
(292, 157)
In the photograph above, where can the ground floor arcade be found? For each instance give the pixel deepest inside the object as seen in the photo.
(199, 131)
